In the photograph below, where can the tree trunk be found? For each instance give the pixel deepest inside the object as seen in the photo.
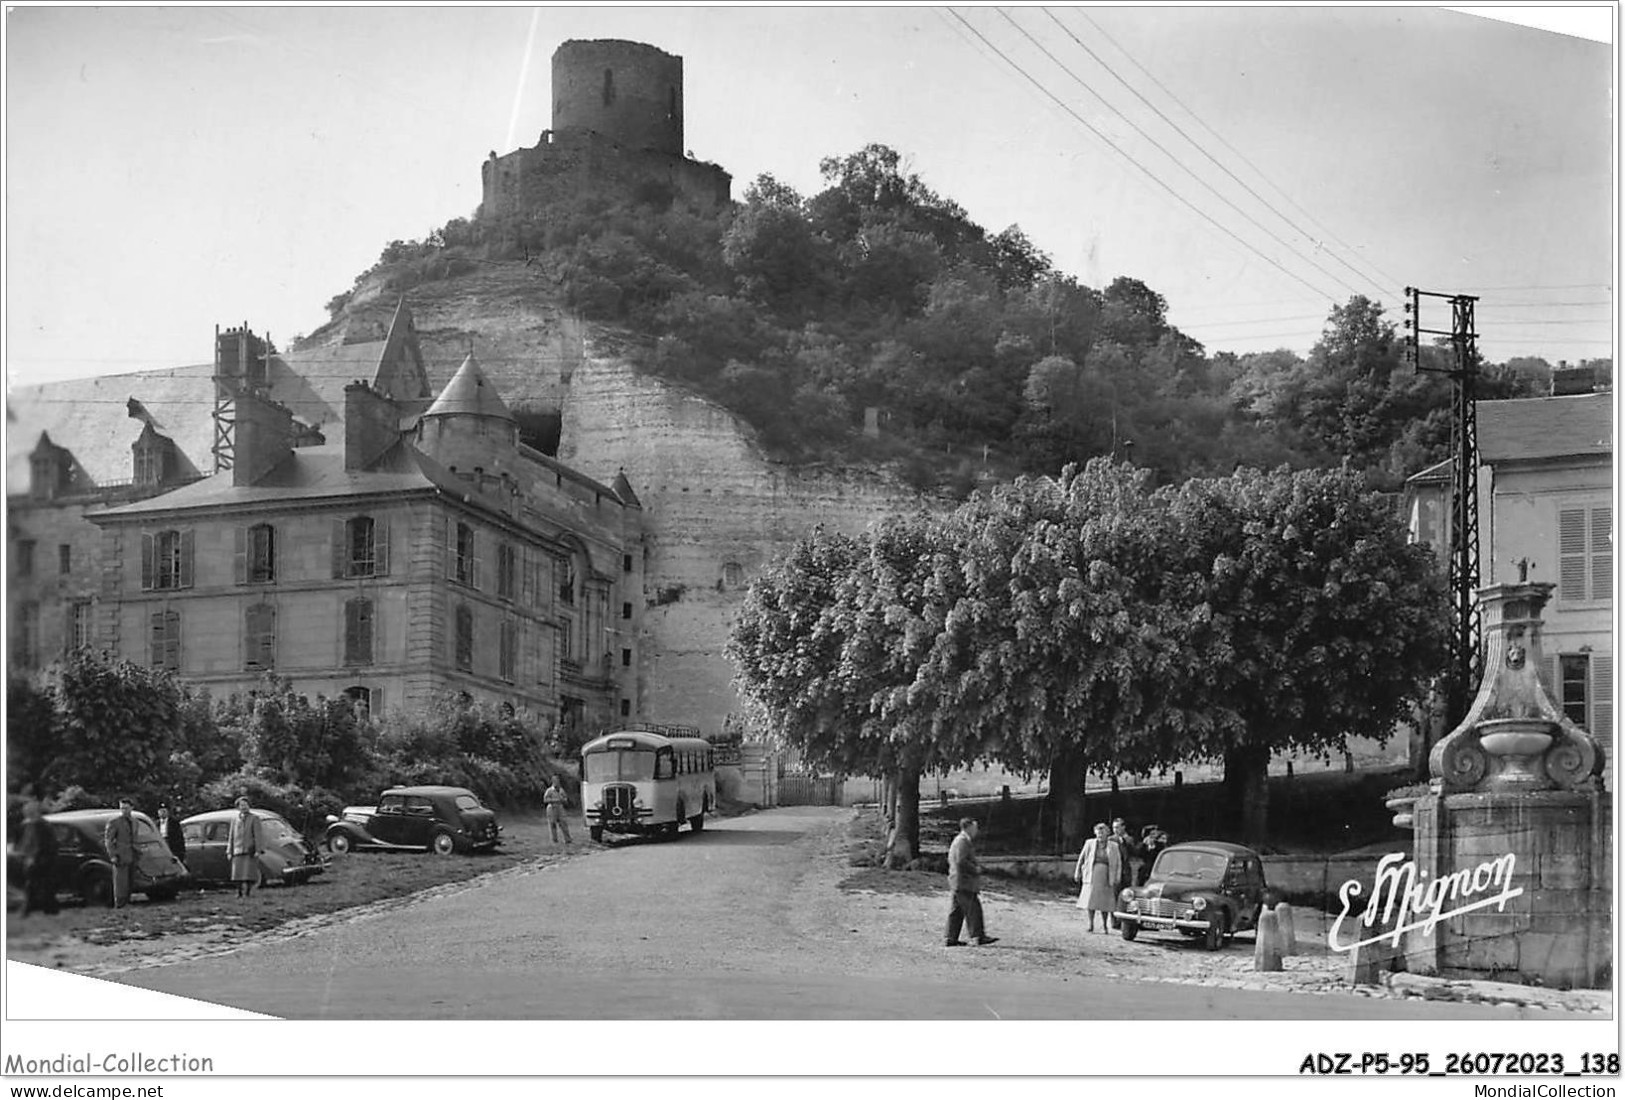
(1067, 773)
(903, 844)
(1246, 776)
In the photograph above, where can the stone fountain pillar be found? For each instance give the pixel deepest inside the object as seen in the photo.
(1516, 779)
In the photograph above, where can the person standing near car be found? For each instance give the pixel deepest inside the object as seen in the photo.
(1152, 841)
(965, 880)
(170, 830)
(119, 839)
(37, 847)
(554, 800)
(1133, 861)
(1097, 871)
(243, 846)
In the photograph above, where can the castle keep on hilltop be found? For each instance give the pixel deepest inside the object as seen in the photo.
(617, 132)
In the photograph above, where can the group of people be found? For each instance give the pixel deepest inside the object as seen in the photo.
(1111, 861)
(37, 849)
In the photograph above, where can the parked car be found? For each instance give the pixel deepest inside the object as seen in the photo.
(1206, 888)
(286, 857)
(436, 819)
(83, 866)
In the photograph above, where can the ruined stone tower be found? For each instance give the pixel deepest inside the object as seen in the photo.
(617, 133)
(629, 92)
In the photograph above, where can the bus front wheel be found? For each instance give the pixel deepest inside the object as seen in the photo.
(596, 832)
(697, 822)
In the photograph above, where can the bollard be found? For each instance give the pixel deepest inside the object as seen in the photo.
(1284, 927)
(1004, 795)
(1267, 948)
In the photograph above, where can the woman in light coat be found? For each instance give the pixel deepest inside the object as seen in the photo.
(1099, 865)
(243, 845)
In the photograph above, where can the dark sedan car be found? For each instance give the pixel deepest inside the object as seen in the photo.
(83, 867)
(436, 819)
(286, 857)
(1207, 888)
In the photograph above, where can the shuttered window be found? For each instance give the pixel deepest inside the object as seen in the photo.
(507, 656)
(360, 547)
(358, 631)
(461, 564)
(259, 648)
(463, 652)
(1602, 695)
(1585, 553)
(166, 560)
(506, 572)
(1585, 690)
(165, 640)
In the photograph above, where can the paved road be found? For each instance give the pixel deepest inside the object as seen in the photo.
(742, 921)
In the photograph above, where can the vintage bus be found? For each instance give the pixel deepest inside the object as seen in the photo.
(638, 781)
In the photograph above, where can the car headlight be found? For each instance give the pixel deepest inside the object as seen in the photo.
(1125, 897)
(1198, 904)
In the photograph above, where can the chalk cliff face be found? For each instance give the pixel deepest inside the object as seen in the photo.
(715, 512)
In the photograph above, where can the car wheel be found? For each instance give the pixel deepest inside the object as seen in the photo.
(697, 822)
(162, 893)
(338, 843)
(96, 886)
(1213, 938)
(1131, 929)
(443, 844)
(596, 832)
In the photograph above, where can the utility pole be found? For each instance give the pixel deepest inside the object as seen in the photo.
(1463, 373)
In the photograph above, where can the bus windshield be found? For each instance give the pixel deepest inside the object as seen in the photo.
(625, 764)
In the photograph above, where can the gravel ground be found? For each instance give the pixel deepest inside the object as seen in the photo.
(863, 919)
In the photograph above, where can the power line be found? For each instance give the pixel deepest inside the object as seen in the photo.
(1126, 156)
(1164, 150)
(1385, 279)
(1203, 150)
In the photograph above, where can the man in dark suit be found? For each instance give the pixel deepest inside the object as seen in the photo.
(119, 837)
(170, 830)
(965, 880)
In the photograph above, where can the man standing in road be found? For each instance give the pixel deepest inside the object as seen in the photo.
(554, 799)
(119, 837)
(965, 880)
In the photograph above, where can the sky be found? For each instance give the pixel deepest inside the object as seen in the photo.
(173, 169)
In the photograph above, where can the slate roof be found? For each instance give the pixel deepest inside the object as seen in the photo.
(308, 474)
(91, 418)
(469, 393)
(1525, 429)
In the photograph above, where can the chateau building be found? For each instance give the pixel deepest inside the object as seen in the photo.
(390, 545)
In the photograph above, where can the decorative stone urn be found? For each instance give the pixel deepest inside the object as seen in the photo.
(1514, 736)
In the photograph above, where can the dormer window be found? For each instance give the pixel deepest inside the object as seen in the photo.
(151, 459)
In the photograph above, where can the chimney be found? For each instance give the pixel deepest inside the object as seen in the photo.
(264, 437)
(1567, 380)
(371, 425)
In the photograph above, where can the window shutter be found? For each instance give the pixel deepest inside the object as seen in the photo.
(375, 704)
(526, 588)
(240, 553)
(186, 558)
(451, 549)
(1571, 549)
(156, 646)
(175, 639)
(341, 550)
(380, 548)
(1602, 553)
(146, 563)
(1602, 696)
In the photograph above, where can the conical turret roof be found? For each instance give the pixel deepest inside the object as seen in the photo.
(469, 393)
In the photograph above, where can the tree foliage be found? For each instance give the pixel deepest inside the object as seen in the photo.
(1095, 621)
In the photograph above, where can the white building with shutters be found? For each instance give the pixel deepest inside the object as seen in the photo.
(1546, 475)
